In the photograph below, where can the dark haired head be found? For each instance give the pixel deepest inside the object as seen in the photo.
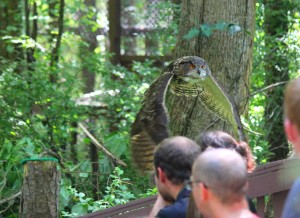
(175, 156)
(219, 139)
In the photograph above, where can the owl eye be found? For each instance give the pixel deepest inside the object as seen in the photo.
(202, 66)
(192, 66)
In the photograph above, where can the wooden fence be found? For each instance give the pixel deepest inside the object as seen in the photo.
(273, 178)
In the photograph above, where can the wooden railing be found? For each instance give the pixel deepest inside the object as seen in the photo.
(273, 178)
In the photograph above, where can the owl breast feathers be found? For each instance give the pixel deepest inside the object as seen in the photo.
(188, 78)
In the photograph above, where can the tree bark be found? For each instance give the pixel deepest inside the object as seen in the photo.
(40, 191)
(55, 50)
(114, 17)
(229, 56)
(89, 76)
(10, 25)
(277, 68)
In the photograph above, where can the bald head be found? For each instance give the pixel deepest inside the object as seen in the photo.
(175, 156)
(224, 172)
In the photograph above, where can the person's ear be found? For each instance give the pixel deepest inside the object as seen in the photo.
(204, 192)
(290, 131)
(293, 134)
(161, 175)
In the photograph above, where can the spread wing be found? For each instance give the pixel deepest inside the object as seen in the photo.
(151, 124)
(216, 99)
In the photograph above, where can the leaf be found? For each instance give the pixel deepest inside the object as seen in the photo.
(80, 209)
(86, 166)
(10, 48)
(222, 25)
(206, 30)
(64, 196)
(83, 175)
(192, 33)
(30, 147)
(116, 144)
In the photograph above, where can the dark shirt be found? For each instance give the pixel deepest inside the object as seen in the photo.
(251, 205)
(292, 204)
(178, 209)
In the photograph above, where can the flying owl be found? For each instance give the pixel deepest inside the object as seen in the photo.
(169, 105)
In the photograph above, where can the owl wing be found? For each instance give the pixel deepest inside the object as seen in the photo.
(216, 99)
(151, 124)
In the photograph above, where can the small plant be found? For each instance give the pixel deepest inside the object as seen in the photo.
(208, 29)
(116, 192)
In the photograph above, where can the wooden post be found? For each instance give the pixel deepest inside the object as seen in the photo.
(114, 16)
(40, 191)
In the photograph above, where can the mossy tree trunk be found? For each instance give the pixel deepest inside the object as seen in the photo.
(40, 191)
(277, 70)
(229, 55)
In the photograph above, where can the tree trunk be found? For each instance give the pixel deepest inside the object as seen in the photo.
(89, 76)
(10, 25)
(229, 56)
(277, 68)
(114, 17)
(40, 191)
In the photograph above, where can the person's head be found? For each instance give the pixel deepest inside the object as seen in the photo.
(291, 112)
(219, 177)
(220, 139)
(173, 161)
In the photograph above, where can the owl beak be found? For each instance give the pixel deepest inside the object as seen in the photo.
(202, 73)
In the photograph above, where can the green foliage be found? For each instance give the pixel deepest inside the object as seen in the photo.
(116, 192)
(11, 169)
(208, 29)
(257, 122)
(38, 114)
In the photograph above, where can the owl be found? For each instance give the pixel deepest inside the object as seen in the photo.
(168, 107)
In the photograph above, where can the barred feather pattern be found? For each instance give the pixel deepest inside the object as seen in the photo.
(151, 124)
(189, 77)
(210, 94)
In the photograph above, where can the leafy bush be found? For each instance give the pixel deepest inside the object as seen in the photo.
(117, 192)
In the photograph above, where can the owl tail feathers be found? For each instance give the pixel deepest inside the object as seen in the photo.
(142, 152)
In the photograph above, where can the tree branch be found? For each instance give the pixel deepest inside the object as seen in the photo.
(266, 88)
(101, 147)
(10, 198)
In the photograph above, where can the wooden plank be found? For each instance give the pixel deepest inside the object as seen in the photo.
(114, 17)
(272, 178)
(142, 58)
(137, 208)
(278, 203)
(127, 60)
(266, 168)
(265, 184)
(260, 207)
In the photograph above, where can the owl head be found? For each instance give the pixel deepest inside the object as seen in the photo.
(191, 68)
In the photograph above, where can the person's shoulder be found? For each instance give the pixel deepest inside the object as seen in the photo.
(291, 207)
(178, 209)
(296, 184)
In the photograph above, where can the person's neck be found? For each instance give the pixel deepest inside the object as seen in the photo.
(235, 210)
(175, 189)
